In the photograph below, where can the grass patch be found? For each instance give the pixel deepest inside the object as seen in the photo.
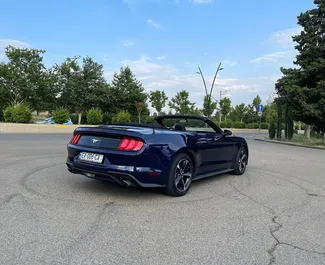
(314, 141)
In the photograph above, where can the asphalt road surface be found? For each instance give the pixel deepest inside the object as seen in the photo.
(274, 214)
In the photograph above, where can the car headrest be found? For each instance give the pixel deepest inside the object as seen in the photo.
(180, 127)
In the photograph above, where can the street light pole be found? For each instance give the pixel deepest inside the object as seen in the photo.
(212, 85)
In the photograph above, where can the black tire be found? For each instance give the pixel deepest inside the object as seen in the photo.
(180, 175)
(241, 161)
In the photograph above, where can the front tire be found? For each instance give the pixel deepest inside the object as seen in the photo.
(180, 175)
(241, 161)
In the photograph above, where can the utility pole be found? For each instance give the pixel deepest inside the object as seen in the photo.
(209, 95)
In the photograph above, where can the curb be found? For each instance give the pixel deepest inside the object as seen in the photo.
(291, 144)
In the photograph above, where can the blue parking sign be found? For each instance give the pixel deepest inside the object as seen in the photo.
(260, 107)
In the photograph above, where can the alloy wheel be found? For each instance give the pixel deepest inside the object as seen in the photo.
(242, 160)
(183, 175)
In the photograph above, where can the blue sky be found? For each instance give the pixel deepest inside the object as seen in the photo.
(164, 41)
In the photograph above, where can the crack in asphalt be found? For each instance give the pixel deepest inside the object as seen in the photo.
(9, 198)
(271, 251)
(66, 254)
(23, 180)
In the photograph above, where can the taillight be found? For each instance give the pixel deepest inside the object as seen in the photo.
(128, 144)
(75, 138)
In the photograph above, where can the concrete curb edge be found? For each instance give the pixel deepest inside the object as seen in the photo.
(290, 144)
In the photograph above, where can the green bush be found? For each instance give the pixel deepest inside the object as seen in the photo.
(228, 124)
(147, 119)
(8, 114)
(22, 114)
(303, 126)
(264, 126)
(94, 116)
(272, 129)
(252, 125)
(122, 117)
(239, 125)
(222, 124)
(61, 115)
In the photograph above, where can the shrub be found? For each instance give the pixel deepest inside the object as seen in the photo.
(147, 119)
(272, 130)
(228, 124)
(22, 114)
(222, 124)
(252, 126)
(8, 114)
(264, 126)
(122, 117)
(61, 115)
(239, 125)
(94, 116)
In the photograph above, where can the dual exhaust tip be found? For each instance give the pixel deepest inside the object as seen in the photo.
(125, 182)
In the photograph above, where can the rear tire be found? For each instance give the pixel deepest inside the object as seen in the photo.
(240, 162)
(180, 175)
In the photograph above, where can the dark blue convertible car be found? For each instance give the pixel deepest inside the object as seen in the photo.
(169, 153)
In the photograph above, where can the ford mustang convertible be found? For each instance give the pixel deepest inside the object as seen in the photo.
(169, 153)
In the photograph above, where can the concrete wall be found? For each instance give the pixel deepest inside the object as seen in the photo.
(55, 128)
(36, 128)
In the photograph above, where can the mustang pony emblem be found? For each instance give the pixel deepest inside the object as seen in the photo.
(95, 140)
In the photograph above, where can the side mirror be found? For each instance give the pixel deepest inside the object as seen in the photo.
(227, 132)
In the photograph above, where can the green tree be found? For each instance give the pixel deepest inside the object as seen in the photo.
(250, 115)
(302, 90)
(25, 80)
(181, 104)
(81, 85)
(257, 101)
(238, 112)
(209, 106)
(158, 100)
(225, 106)
(125, 91)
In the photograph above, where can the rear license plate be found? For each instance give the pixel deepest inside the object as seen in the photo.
(90, 157)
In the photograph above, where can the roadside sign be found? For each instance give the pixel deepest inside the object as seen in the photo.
(260, 108)
(260, 113)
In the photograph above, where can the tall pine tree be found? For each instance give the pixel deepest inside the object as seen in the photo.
(303, 89)
(126, 91)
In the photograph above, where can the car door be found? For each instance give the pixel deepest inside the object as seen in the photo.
(216, 152)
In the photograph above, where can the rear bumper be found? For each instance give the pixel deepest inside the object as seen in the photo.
(117, 176)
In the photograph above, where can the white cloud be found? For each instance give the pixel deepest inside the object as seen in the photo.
(283, 38)
(229, 62)
(16, 43)
(202, 1)
(161, 57)
(154, 24)
(129, 44)
(274, 57)
(144, 66)
(162, 76)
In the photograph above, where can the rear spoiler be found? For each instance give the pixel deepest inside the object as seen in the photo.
(117, 131)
